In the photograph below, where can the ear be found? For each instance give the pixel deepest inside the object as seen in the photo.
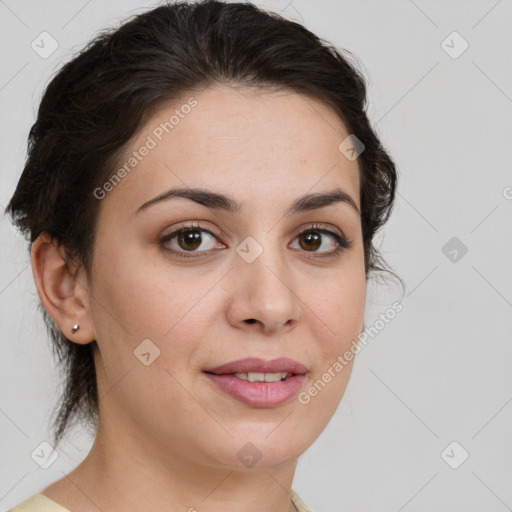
(65, 298)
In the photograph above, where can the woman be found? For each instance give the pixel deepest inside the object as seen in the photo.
(201, 194)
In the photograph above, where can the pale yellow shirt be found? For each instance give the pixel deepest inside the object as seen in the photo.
(41, 503)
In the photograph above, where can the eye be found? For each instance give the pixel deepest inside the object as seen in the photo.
(314, 238)
(190, 239)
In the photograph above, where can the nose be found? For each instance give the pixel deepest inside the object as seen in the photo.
(263, 294)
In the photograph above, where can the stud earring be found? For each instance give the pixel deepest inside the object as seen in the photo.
(75, 328)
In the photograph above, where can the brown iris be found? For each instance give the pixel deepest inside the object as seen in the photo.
(312, 240)
(189, 239)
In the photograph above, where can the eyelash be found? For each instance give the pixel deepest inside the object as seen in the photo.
(342, 242)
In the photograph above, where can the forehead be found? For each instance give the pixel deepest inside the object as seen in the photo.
(245, 140)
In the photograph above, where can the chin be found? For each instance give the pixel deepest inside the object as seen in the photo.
(263, 448)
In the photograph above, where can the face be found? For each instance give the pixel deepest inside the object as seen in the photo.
(259, 276)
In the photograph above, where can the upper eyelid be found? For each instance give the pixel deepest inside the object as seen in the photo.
(324, 228)
(304, 227)
(190, 227)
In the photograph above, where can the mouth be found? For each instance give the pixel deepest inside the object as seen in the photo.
(259, 383)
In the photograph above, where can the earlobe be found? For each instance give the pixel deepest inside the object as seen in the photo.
(62, 295)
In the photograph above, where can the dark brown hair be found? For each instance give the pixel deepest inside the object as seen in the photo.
(96, 103)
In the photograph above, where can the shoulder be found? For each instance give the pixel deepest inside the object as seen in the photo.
(38, 503)
(41, 503)
(298, 503)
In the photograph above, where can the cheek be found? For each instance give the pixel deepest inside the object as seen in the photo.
(339, 317)
(138, 300)
(340, 307)
(144, 299)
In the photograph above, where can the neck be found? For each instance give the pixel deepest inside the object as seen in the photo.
(129, 472)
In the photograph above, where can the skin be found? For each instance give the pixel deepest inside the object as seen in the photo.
(168, 439)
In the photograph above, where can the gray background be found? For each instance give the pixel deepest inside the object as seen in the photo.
(441, 370)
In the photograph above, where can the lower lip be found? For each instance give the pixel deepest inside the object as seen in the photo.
(258, 394)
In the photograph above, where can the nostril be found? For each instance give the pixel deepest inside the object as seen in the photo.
(250, 320)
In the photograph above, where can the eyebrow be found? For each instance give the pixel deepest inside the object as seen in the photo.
(217, 201)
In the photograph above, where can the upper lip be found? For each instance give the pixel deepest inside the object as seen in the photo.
(254, 364)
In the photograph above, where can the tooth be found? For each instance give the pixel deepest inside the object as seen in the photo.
(262, 377)
(255, 377)
(273, 377)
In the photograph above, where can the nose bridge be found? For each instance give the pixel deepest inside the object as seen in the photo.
(263, 289)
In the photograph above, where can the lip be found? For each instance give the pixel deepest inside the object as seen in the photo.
(259, 394)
